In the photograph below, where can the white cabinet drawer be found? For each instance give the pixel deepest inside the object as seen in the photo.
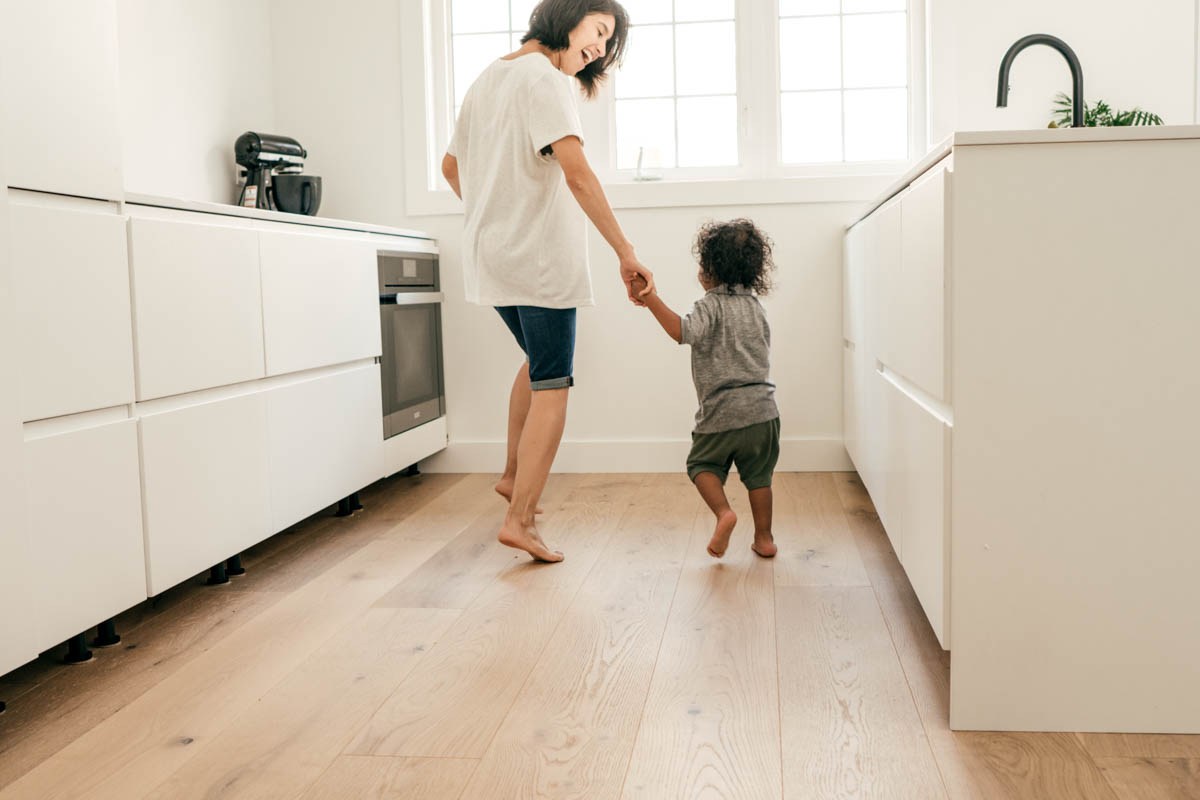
(325, 441)
(880, 278)
(320, 300)
(917, 497)
(917, 324)
(206, 485)
(85, 519)
(199, 306)
(61, 122)
(71, 271)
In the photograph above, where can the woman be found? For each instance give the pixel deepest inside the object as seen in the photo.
(516, 159)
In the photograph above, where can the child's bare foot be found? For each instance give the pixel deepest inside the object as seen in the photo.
(726, 521)
(505, 489)
(764, 545)
(515, 535)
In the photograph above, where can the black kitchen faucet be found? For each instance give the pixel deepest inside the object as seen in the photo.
(1068, 54)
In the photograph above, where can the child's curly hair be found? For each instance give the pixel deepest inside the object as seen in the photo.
(735, 253)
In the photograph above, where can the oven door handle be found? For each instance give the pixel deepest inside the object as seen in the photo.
(410, 298)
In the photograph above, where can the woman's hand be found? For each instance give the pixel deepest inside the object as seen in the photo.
(631, 270)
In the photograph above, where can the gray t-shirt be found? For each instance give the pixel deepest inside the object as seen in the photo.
(731, 360)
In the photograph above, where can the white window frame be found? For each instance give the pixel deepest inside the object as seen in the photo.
(761, 178)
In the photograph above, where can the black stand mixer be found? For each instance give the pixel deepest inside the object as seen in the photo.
(262, 156)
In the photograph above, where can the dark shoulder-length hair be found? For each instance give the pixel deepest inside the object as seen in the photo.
(551, 24)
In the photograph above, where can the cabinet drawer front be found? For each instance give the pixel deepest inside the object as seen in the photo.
(918, 320)
(206, 486)
(918, 456)
(326, 441)
(85, 517)
(851, 404)
(71, 273)
(853, 264)
(199, 306)
(320, 301)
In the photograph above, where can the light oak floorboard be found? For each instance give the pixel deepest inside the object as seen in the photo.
(460, 571)
(710, 728)
(136, 749)
(69, 701)
(1152, 778)
(1140, 745)
(815, 544)
(388, 778)
(572, 727)
(850, 727)
(1032, 765)
(282, 744)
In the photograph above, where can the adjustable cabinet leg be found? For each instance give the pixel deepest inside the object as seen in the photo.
(344, 509)
(217, 575)
(412, 471)
(234, 565)
(77, 650)
(2, 707)
(106, 635)
(355, 505)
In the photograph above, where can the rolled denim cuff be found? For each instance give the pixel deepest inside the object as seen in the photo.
(552, 383)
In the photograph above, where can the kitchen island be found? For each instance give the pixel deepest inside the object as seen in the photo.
(1021, 395)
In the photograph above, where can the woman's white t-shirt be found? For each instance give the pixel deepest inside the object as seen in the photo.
(525, 236)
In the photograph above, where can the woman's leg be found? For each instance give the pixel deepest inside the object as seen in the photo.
(539, 440)
(518, 410)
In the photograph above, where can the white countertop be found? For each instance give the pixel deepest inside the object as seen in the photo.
(1018, 137)
(205, 207)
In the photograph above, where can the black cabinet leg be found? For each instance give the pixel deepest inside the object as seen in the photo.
(106, 635)
(348, 505)
(412, 471)
(234, 565)
(77, 650)
(3, 708)
(217, 575)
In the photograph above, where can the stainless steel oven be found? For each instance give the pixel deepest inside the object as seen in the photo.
(410, 312)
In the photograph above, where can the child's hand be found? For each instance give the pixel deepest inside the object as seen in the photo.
(639, 285)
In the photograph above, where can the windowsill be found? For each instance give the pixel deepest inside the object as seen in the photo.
(623, 194)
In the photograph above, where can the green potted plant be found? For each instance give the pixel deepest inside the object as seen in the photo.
(1100, 115)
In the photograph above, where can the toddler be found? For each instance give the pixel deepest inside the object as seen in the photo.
(738, 421)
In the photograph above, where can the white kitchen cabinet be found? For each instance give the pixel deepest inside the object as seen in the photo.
(916, 329)
(851, 402)
(852, 282)
(320, 300)
(205, 473)
(918, 446)
(71, 276)
(325, 441)
(85, 517)
(16, 632)
(62, 124)
(198, 300)
(1026, 432)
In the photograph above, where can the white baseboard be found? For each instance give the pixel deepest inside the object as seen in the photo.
(810, 454)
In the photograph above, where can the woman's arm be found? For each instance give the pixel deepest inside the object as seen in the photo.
(450, 173)
(588, 192)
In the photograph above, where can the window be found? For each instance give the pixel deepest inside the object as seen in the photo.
(740, 98)
(676, 101)
(843, 74)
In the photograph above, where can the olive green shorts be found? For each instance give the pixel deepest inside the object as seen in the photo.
(754, 449)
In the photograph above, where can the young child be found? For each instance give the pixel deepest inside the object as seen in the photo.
(738, 421)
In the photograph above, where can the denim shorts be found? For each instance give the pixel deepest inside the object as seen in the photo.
(547, 335)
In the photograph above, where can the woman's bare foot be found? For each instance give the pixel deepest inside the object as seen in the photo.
(764, 545)
(513, 534)
(726, 521)
(505, 489)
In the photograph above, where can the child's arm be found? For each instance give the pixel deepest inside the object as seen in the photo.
(667, 318)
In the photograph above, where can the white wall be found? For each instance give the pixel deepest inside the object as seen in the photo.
(1133, 54)
(194, 76)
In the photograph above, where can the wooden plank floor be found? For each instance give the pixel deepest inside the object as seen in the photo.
(403, 653)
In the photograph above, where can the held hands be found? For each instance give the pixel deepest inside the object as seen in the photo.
(639, 281)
